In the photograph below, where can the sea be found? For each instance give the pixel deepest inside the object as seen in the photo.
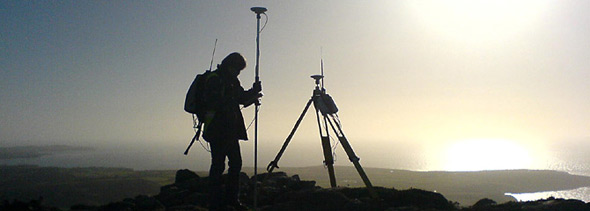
(571, 158)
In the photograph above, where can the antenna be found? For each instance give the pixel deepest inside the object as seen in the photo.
(197, 126)
(212, 56)
(258, 11)
(322, 65)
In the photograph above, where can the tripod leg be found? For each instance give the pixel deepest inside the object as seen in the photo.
(328, 158)
(274, 164)
(353, 158)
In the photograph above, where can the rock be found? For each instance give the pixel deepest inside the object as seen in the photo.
(118, 206)
(143, 202)
(83, 207)
(424, 199)
(200, 199)
(276, 179)
(31, 205)
(302, 185)
(295, 178)
(184, 175)
(295, 183)
(244, 180)
(323, 199)
(186, 208)
(172, 195)
(193, 185)
(482, 203)
(168, 188)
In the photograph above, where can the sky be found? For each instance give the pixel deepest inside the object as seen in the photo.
(461, 82)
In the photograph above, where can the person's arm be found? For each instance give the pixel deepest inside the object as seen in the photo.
(250, 96)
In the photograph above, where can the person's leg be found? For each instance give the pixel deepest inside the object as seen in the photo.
(235, 166)
(218, 154)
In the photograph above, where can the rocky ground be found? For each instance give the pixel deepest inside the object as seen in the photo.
(278, 191)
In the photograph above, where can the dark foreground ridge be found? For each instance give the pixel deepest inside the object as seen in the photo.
(282, 192)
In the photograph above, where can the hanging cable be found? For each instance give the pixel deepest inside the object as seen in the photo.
(251, 122)
(334, 155)
(196, 128)
(207, 148)
(333, 145)
(265, 22)
(337, 120)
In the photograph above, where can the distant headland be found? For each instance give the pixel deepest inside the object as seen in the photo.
(7, 153)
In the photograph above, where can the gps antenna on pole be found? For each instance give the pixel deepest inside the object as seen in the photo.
(258, 11)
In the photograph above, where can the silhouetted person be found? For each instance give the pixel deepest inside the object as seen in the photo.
(224, 127)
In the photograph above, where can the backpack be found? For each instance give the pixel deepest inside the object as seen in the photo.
(194, 104)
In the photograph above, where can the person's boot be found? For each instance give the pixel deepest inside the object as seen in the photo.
(237, 206)
(215, 198)
(232, 193)
(232, 200)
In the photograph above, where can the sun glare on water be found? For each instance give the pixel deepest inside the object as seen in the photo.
(486, 154)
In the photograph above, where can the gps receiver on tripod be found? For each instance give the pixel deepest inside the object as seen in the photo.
(325, 105)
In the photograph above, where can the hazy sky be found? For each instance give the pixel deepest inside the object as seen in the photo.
(451, 78)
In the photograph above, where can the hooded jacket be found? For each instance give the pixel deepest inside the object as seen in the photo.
(223, 96)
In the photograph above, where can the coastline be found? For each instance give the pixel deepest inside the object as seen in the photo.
(463, 187)
(466, 188)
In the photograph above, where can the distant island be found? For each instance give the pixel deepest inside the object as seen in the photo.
(7, 153)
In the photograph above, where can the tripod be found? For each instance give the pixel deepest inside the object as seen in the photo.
(325, 105)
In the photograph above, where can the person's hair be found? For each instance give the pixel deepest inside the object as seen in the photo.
(235, 60)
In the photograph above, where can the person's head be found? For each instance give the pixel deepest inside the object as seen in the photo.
(233, 63)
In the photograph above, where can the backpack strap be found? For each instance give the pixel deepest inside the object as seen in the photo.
(210, 114)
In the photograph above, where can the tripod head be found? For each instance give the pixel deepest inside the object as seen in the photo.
(317, 79)
(323, 101)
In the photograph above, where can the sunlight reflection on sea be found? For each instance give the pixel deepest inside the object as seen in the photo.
(568, 157)
(579, 193)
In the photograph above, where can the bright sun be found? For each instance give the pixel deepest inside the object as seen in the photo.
(486, 154)
(478, 20)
